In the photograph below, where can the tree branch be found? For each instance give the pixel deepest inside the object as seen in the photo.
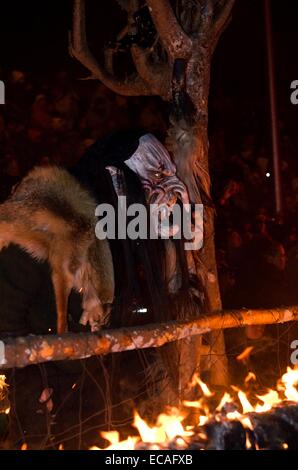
(80, 50)
(157, 76)
(20, 352)
(175, 41)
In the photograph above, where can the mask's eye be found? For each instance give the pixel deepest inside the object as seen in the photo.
(158, 174)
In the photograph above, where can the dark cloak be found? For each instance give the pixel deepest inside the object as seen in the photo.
(139, 267)
(139, 264)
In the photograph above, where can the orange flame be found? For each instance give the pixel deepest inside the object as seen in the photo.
(170, 427)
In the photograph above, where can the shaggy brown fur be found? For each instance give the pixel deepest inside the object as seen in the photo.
(53, 218)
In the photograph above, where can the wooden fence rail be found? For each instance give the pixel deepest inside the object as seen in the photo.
(23, 351)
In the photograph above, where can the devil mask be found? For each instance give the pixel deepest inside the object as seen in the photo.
(145, 157)
(154, 167)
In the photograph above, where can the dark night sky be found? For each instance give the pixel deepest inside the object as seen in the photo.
(34, 33)
(34, 36)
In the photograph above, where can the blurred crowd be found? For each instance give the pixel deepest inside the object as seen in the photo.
(257, 250)
(52, 120)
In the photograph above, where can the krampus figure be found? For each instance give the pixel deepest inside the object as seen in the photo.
(150, 273)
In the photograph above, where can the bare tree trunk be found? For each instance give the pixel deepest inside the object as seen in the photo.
(188, 140)
(190, 146)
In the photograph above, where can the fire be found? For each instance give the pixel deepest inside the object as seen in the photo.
(115, 444)
(168, 427)
(246, 405)
(244, 356)
(204, 387)
(171, 428)
(225, 399)
(155, 434)
(269, 400)
(250, 376)
(4, 406)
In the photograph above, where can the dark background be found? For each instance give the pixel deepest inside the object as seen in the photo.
(34, 37)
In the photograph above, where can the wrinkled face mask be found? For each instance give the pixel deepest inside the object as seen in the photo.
(153, 165)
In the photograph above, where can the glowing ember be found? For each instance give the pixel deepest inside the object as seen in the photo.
(246, 422)
(203, 386)
(233, 415)
(269, 400)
